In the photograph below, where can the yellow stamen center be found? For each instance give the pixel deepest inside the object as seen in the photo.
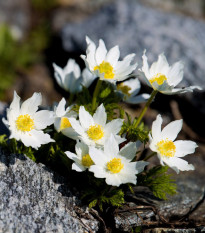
(124, 89)
(24, 123)
(166, 148)
(87, 161)
(107, 69)
(159, 78)
(65, 123)
(115, 165)
(95, 132)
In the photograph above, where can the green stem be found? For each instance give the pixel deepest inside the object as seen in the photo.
(149, 156)
(70, 100)
(96, 91)
(145, 108)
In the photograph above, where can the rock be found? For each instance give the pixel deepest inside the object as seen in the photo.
(186, 208)
(16, 13)
(171, 230)
(32, 199)
(135, 27)
(188, 7)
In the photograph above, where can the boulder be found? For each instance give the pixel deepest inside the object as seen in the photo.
(36, 199)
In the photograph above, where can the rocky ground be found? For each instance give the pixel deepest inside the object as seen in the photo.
(28, 189)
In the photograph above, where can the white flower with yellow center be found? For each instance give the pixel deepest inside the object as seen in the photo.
(61, 119)
(93, 130)
(115, 165)
(70, 77)
(26, 124)
(163, 78)
(82, 159)
(105, 64)
(168, 150)
(130, 89)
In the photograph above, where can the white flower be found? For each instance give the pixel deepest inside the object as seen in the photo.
(82, 158)
(162, 77)
(105, 63)
(168, 150)
(70, 78)
(26, 124)
(61, 119)
(115, 165)
(130, 90)
(94, 130)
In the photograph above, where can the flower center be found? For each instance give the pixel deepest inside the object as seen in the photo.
(87, 161)
(65, 123)
(166, 148)
(159, 78)
(24, 123)
(124, 89)
(115, 165)
(107, 69)
(95, 132)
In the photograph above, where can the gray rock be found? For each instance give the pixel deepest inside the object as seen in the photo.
(135, 27)
(32, 200)
(186, 208)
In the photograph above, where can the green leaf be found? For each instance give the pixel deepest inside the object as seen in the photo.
(93, 203)
(158, 181)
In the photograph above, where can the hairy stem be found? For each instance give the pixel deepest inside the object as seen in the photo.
(96, 92)
(145, 108)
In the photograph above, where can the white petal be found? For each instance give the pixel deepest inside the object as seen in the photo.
(129, 151)
(98, 156)
(176, 73)
(76, 126)
(179, 164)
(99, 172)
(111, 147)
(35, 138)
(171, 130)
(140, 165)
(15, 104)
(145, 67)
(184, 147)
(85, 118)
(78, 167)
(100, 116)
(81, 149)
(160, 66)
(60, 109)
(156, 127)
(70, 133)
(100, 52)
(114, 180)
(113, 55)
(30, 106)
(114, 126)
(137, 99)
(43, 118)
(88, 78)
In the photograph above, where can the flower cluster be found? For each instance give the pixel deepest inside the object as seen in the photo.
(100, 146)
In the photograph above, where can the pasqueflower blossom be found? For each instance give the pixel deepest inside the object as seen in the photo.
(26, 124)
(105, 64)
(82, 159)
(168, 150)
(115, 165)
(130, 89)
(61, 119)
(70, 77)
(163, 78)
(93, 130)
